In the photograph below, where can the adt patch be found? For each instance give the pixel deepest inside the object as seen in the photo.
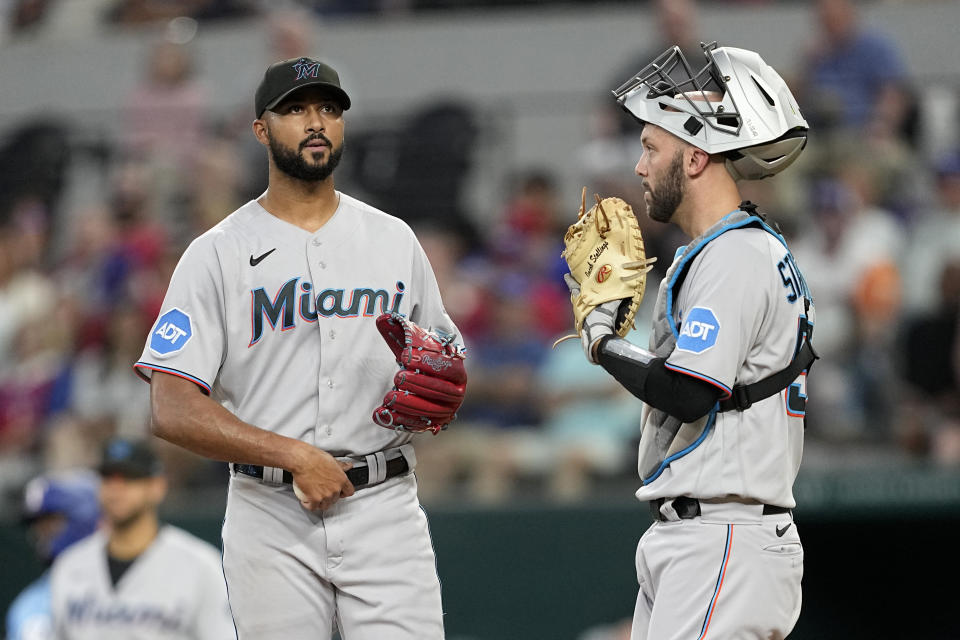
(699, 331)
(171, 333)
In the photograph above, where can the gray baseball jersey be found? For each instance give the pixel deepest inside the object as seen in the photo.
(276, 323)
(728, 312)
(175, 589)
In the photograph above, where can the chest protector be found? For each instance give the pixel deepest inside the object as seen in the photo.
(665, 438)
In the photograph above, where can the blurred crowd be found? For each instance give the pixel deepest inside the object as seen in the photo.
(872, 212)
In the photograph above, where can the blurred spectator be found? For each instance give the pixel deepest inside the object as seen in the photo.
(855, 92)
(929, 357)
(494, 443)
(527, 239)
(591, 423)
(59, 509)
(420, 176)
(142, 234)
(163, 117)
(503, 361)
(26, 15)
(92, 273)
(290, 31)
(854, 78)
(848, 254)
(846, 236)
(34, 337)
(614, 146)
(464, 297)
(214, 188)
(34, 161)
(102, 398)
(675, 25)
(934, 238)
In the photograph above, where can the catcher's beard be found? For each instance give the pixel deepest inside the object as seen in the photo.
(292, 163)
(669, 194)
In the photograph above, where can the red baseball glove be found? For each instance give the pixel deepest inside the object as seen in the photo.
(431, 382)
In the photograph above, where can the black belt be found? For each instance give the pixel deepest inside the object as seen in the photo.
(359, 477)
(687, 508)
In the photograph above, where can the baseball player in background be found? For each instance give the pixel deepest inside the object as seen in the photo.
(59, 509)
(724, 379)
(266, 354)
(138, 579)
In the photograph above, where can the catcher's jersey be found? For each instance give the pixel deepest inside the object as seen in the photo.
(174, 590)
(277, 323)
(728, 313)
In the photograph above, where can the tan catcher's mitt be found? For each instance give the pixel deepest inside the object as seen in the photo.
(605, 254)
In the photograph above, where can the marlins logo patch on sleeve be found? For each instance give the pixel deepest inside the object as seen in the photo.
(699, 331)
(171, 333)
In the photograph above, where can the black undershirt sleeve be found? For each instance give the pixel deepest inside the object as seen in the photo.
(681, 396)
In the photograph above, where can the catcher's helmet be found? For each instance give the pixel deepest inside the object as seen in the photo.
(736, 105)
(72, 494)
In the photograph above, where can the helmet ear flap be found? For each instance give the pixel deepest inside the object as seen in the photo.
(766, 160)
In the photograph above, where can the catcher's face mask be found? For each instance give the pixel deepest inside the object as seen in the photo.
(735, 105)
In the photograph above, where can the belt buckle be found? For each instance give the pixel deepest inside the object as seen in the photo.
(686, 508)
(376, 468)
(679, 508)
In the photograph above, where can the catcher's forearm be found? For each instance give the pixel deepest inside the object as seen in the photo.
(645, 376)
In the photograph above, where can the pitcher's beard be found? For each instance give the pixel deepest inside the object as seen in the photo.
(294, 165)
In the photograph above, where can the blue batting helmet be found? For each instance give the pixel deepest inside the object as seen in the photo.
(72, 494)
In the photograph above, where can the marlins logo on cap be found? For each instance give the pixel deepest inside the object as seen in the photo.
(284, 77)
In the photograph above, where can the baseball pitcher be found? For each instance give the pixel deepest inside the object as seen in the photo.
(277, 350)
(724, 379)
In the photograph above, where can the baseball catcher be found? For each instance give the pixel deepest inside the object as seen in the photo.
(608, 270)
(724, 377)
(431, 382)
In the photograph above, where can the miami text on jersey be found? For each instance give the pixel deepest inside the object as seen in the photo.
(114, 615)
(285, 308)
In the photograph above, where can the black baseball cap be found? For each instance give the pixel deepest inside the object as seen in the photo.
(130, 459)
(284, 77)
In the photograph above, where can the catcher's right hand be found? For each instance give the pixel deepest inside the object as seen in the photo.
(605, 253)
(600, 322)
(431, 383)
